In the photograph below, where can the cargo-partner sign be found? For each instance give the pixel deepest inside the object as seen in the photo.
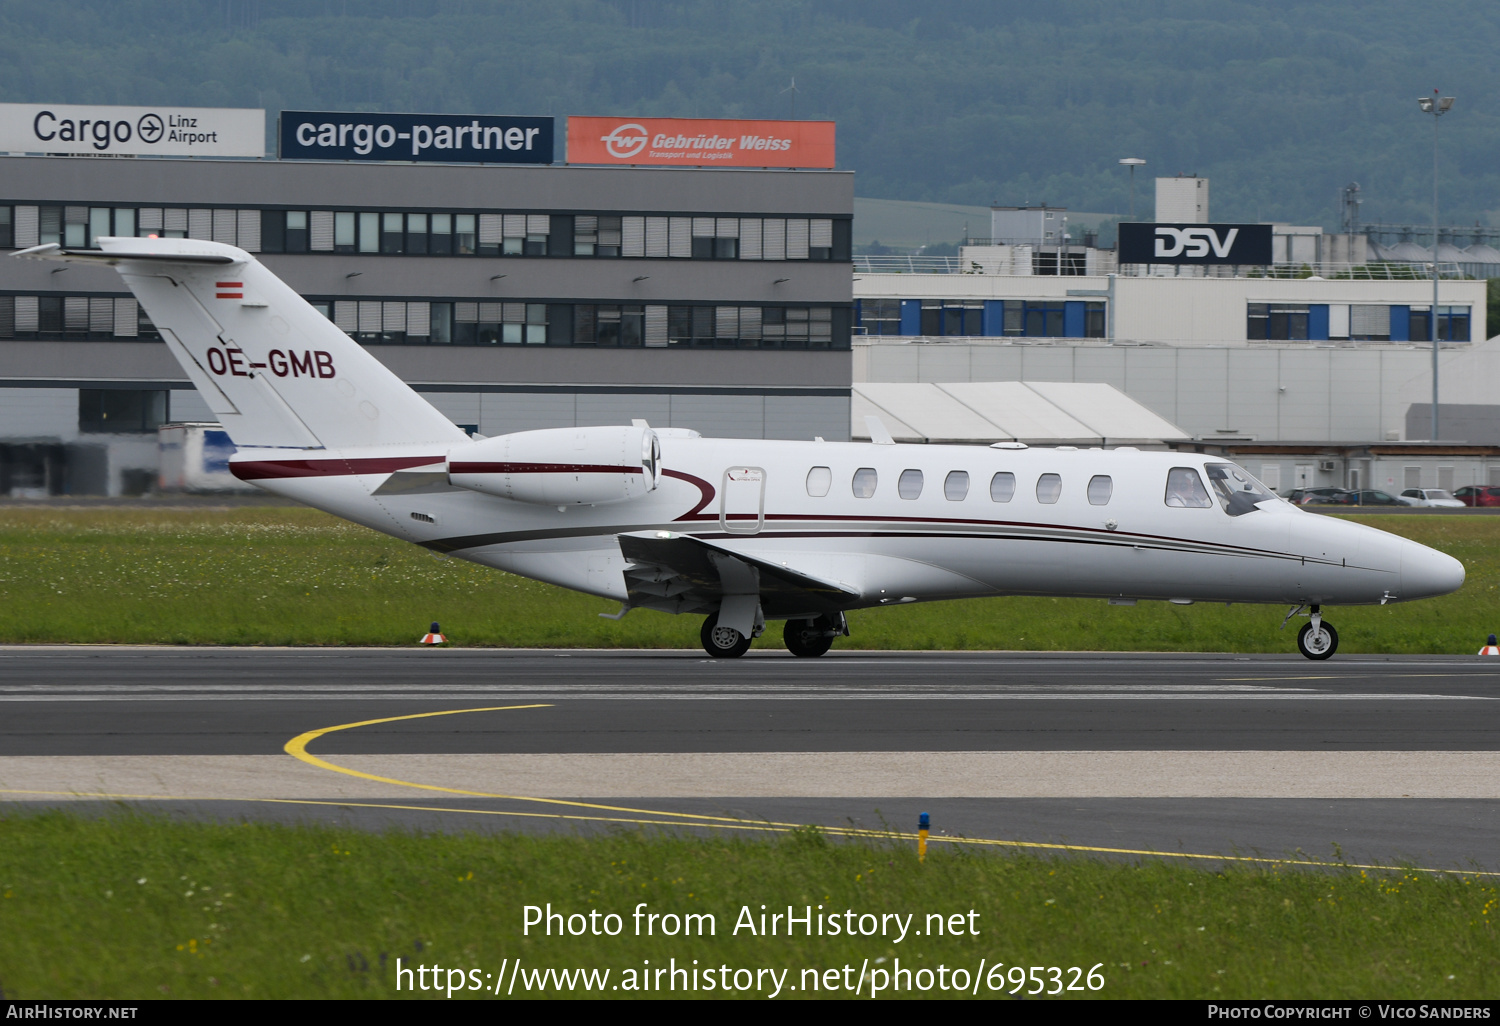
(1194, 243)
(431, 138)
(699, 142)
(132, 131)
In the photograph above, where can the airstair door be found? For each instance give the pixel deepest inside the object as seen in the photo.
(742, 500)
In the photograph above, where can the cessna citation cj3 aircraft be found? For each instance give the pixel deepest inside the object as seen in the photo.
(744, 531)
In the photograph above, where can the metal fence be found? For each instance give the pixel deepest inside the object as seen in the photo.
(1381, 270)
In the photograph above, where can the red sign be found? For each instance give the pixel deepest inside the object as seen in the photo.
(700, 142)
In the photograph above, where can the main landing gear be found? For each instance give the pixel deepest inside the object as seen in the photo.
(722, 642)
(805, 638)
(813, 637)
(1316, 639)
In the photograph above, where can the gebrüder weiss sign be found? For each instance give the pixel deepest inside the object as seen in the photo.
(700, 142)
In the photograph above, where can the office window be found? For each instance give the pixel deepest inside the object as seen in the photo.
(1370, 323)
(1094, 323)
(440, 241)
(49, 225)
(465, 234)
(952, 317)
(820, 239)
(416, 233)
(1453, 323)
(121, 410)
(7, 316)
(298, 237)
(1275, 322)
(585, 234)
(344, 233)
(880, 316)
(609, 236)
(25, 226)
(7, 233)
(200, 223)
(369, 231)
(1013, 319)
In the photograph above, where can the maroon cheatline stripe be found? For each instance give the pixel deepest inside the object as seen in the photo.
(229, 284)
(705, 491)
(258, 470)
(229, 295)
(539, 468)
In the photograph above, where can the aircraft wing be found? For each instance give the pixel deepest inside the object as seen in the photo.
(679, 573)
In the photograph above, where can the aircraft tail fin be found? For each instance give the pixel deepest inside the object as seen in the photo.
(275, 371)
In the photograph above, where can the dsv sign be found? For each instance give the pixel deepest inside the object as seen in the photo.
(1195, 243)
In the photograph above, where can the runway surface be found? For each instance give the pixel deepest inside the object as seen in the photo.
(1382, 758)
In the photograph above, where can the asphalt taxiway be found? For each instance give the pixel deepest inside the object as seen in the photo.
(1378, 758)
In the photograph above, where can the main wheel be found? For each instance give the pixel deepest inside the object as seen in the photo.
(1319, 644)
(808, 637)
(722, 642)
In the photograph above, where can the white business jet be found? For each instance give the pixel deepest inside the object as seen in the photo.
(744, 531)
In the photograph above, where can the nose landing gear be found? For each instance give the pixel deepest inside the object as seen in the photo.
(1316, 639)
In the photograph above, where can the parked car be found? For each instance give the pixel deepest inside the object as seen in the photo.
(1430, 497)
(1369, 497)
(1306, 496)
(1478, 495)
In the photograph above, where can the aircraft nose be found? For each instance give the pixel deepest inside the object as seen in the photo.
(1426, 572)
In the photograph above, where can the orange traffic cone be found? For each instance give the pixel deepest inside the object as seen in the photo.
(1490, 648)
(435, 637)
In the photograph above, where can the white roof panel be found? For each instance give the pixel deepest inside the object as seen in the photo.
(1020, 413)
(932, 413)
(861, 407)
(1109, 413)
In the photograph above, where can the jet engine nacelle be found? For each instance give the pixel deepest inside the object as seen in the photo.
(587, 466)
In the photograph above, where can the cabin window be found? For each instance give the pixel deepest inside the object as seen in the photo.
(1101, 487)
(1238, 491)
(1002, 486)
(1048, 488)
(864, 482)
(956, 486)
(818, 481)
(909, 486)
(1185, 488)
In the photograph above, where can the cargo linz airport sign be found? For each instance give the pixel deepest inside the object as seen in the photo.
(1194, 243)
(132, 131)
(429, 138)
(700, 142)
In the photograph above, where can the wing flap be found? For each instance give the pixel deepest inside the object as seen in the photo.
(679, 573)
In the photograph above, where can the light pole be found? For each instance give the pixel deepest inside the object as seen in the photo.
(1132, 163)
(1437, 106)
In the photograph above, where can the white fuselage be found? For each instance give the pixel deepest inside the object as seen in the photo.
(936, 544)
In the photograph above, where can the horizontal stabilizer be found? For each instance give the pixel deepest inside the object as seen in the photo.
(677, 572)
(52, 251)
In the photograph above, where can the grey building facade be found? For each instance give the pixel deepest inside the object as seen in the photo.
(512, 297)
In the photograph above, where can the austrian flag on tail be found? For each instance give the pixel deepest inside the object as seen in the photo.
(236, 285)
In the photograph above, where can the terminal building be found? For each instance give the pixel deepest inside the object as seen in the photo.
(512, 297)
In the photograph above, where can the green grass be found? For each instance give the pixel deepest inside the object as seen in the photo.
(131, 906)
(290, 576)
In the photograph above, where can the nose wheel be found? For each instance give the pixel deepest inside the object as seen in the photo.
(1317, 639)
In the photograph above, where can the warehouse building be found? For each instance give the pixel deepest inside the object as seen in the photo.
(512, 297)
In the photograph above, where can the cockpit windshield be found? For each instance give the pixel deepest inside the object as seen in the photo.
(1238, 492)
